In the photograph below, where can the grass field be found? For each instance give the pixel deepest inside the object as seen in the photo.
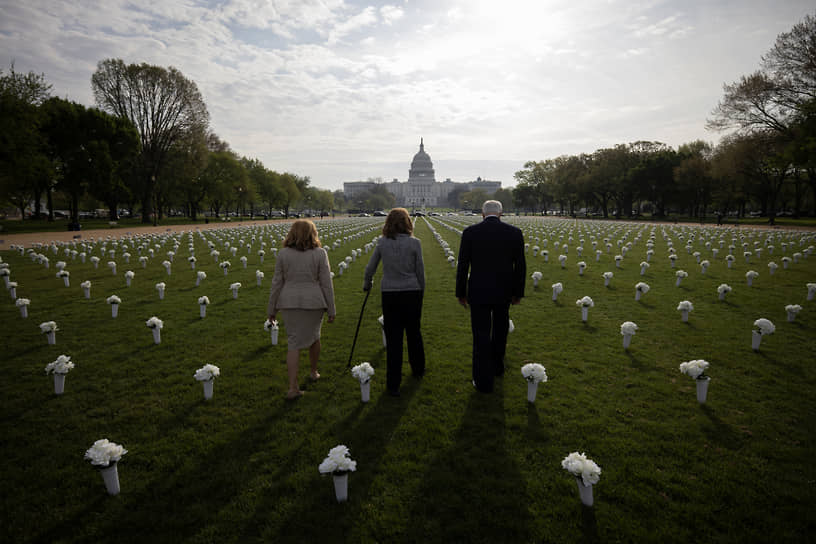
(441, 463)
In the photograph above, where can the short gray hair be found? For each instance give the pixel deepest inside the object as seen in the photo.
(492, 207)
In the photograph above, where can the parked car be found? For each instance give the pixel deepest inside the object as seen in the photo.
(380, 213)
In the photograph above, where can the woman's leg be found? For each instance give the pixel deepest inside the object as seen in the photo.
(413, 318)
(392, 314)
(314, 357)
(292, 357)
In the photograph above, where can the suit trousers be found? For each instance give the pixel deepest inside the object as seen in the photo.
(489, 323)
(402, 312)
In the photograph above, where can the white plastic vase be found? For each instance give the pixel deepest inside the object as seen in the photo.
(87, 292)
(791, 316)
(13, 293)
(192, 265)
(532, 389)
(585, 492)
(67, 281)
(584, 313)
(606, 282)
(637, 294)
(750, 281)
(225, 270)
(729, 262)
(365, 391)
(198, 281)
(202, 310)
(6, 279)
(235, 293)
(144, 264)
(113, 269)
(127, 281)
(161, 294)
(341, 486)
(811, 294)
(208, 388)
(52, 338)
(273, 335)
(702, 389)
(678, 281)
(110, 475)
(617, 264)
(59, 383)
(684, 316)
(580, 270)
(785, 265)
(24, 311)
(672, 263)
(258, 280)
(340, 271)
(722, 295)
(156, 335)
(756, 339)
(627, 339)
(385, 342)
(555, 295)
(642, 270)
(114, 310)
(261, 258)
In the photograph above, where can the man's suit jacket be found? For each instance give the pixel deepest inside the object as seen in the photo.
(302, 281)
(494, 253)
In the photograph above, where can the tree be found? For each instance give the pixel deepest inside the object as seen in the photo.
(222, 174)
(24, 169)
(693, 177)
(290, 191)
(161, 103)
(505, 196)
(186, 162)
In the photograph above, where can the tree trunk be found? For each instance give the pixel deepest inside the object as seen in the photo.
(113, 213)
(50, 205)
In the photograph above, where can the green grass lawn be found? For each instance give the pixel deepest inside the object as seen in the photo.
(441, 463)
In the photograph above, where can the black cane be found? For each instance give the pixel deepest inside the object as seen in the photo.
(354, 343)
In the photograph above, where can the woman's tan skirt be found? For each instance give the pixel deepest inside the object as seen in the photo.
(302, 327)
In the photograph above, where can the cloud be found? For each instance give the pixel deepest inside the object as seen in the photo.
(391, 14)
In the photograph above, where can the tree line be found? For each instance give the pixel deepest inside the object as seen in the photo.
(766, 163)
(145, 147)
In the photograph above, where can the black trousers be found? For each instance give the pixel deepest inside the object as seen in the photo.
(489, 323)
(402, 312)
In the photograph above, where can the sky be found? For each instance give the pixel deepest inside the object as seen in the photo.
(343, 90)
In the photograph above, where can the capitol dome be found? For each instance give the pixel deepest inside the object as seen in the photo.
(422, 170)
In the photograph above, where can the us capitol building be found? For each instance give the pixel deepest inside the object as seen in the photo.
(421, 189)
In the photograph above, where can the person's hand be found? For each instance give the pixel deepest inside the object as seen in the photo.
(463, 301)
(331, 319)
(515, 300)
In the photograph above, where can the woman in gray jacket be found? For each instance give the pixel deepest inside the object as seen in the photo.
(403, 284)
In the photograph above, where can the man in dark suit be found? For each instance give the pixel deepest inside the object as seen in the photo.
(494, 253)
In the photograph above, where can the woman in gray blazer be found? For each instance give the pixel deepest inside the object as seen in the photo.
(403, 285)
(302, 290)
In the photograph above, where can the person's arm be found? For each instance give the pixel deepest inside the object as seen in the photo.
(371, 268)
(324, 278)
(462, 267)
(274, 291)
(519, 268)
(420, 266)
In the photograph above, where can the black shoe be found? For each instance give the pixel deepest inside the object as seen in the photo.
(393, 393)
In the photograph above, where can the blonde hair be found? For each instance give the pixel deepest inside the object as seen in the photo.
(398, 222)
(302, 236)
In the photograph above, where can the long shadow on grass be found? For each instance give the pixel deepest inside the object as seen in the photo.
(368, 440)
(473, 491)
(185, 495)
(720, 432)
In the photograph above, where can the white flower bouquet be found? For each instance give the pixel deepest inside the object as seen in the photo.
(628, 327)
(536, 278)
(61, 366)
(585, 302)
(792, 310)
(207, 373)
(750, 276)
(259, 276)
(22, 303)
(103, 453)
(607, 276)
(641, 288)
(534, 372)
(685, 306)
(154, 323)
(695, 369)
(581, 266)
(764, 326)
(363, 372)
(643, 267)
(579, 466)
(234, 288)
(562, 259)
(723, 289)
(557, 288)
(200, 275)
(113, 299)
(48, 327)
(811, 290)
(338, 461)
(160, 287)
(203, 300)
